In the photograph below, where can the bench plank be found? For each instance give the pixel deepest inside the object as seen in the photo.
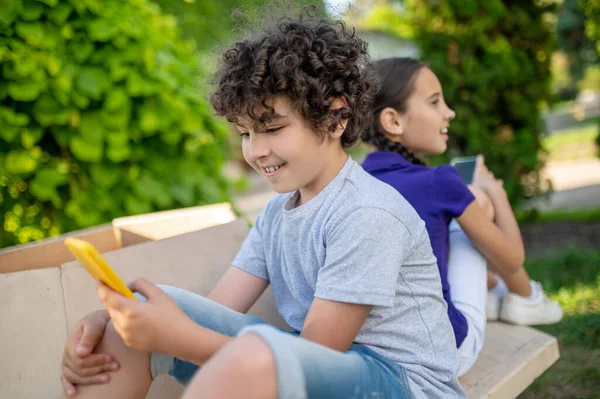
(511, 359)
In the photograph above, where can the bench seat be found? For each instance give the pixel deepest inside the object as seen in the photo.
(39, 306)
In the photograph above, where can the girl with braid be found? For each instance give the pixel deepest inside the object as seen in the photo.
(468, 226)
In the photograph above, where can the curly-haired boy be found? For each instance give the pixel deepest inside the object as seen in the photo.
(349, 261)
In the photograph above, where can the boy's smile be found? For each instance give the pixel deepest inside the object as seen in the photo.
(289, 154)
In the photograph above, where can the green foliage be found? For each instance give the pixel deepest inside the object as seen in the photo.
(573, 41)
(591, 9)
(493, 61)
(100, 117)
(210, 22)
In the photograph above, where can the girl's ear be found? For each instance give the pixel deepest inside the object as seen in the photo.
(392, 124)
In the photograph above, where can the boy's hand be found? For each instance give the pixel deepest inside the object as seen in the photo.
(151, 326)
(485, 180)
(79, 365)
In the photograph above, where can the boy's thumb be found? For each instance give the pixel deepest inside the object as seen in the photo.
(145, 288)
(90, 337)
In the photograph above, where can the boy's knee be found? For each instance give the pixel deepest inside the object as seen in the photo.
(251, 355)
(484, 201)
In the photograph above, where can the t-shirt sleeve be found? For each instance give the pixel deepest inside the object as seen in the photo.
(452, 196)
(251, 256)
(364, 254)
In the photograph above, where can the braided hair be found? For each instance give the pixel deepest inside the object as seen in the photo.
(396, 79)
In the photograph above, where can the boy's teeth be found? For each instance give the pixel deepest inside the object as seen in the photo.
(271, 169)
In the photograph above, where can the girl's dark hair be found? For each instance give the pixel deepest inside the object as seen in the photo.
(307, 60)
(397, 79)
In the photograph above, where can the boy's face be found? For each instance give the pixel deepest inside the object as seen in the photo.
(289, 154)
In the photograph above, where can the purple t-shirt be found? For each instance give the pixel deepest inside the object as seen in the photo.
(438, 195)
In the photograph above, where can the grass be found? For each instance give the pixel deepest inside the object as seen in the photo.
(575, 143)
(571, 277)
(583, 215)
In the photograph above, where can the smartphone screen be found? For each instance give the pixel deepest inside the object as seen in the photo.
(465, 166)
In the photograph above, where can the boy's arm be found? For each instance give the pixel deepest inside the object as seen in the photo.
(334, 324)
(238, 289)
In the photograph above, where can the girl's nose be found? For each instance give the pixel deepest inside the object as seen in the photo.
(450, 114)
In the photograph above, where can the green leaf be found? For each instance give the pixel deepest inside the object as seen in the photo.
(116, 99)
(148, 187)
(80, 100)
(85, 150)
(139, 86)
(25, 66)
(91, 128)
(10, 10)
(9, 133)
(183, 194)
(105, 176)
(148, 119)
(136, 206)
(118, 154)
(31, 32)
(31, 136)
(31, 11)
(103, 30)
(47, 111)
(24, 91)
(44, 185)
(14, 118)
(20, 162)
(81, 50)
(51, 3)
(60, 13)
(117, 139)
(92, 81)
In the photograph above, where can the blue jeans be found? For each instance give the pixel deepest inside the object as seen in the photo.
(304, 369)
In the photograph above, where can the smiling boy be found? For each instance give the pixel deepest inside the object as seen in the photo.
(357, 282)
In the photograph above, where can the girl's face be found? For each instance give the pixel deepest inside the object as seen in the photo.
(424, 125)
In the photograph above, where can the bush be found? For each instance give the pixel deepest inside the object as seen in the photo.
(212, 21)
(99, 117)
(493, 61)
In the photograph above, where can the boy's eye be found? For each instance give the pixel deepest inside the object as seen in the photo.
(244, 135)
(273, 129)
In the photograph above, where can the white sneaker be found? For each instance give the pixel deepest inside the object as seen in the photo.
(492, 307)
(530, 311)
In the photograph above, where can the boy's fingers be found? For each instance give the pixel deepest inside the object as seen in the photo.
(90, 338)
(75, 379)
(90, 361)
(67, 386)
(145, 288)
(110, 298)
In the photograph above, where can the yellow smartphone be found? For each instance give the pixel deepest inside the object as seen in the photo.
(95, 264)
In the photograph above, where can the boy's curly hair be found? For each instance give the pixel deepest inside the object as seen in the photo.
(308, 60)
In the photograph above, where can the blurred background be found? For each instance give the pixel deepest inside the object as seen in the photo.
(103, 114)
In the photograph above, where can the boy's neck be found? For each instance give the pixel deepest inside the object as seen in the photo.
(333, 166)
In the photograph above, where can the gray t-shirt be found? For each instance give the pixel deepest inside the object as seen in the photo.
(359, 241)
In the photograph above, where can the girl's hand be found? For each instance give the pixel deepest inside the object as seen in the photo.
(485, 180)
(152, 326)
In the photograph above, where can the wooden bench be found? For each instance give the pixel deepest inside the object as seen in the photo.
(39, 304)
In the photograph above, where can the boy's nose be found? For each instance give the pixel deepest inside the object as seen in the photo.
(257, 147)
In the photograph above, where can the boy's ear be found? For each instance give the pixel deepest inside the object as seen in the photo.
(392, 124)
(337, 103)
